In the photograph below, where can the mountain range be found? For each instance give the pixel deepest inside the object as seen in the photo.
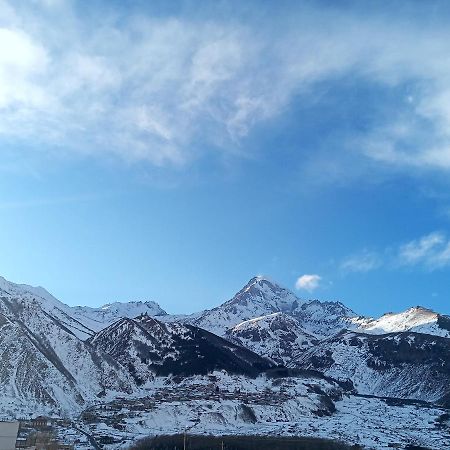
(61, 360)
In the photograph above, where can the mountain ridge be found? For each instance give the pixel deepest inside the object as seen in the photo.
(261, 296)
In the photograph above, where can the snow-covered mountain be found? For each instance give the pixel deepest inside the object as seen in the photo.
(45, 366)
(99, 318)
(261, 297)
(83, 321)
(149, 348)
(403, 365)
(417, 319)
(277, 336)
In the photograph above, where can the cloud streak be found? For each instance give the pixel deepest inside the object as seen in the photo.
(365, 261)
(50, 202)
(430, 252)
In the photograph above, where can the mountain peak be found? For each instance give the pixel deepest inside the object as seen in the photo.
(420, 309)
(263, 290)
(259, 297)
(27, 293)
(258, 280)
(12, 288)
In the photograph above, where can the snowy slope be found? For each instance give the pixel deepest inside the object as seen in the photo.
(323, 319)
(44, 363)
(261, 297)
(277, 336)
(219, 403)
(370, 423)
(403, 365)
(48, 303)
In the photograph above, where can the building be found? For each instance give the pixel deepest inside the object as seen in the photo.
(41, 423)
(8, 435)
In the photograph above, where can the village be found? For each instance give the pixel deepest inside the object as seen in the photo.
(187, 393)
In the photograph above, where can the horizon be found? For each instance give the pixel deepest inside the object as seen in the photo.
(169, 152)
(221, 302)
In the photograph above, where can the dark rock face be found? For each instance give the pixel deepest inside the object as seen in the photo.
(443, 322)
(151, 348)
(410, 348)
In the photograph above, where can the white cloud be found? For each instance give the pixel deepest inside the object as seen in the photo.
(21, 62)
(431, 251)
(155, 88)
(365, 261)
(308, 282)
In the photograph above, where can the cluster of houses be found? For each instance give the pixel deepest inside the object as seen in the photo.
(35, 434)
(111, 413)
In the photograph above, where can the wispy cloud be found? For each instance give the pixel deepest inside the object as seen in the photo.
(308, 282)
(430, 252)
(155, 89)
(364, 261)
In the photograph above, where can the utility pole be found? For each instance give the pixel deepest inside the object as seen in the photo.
(184, 439)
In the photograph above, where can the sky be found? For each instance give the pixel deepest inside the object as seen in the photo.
(170, 151)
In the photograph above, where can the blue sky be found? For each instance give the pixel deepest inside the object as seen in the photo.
(171, 151)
